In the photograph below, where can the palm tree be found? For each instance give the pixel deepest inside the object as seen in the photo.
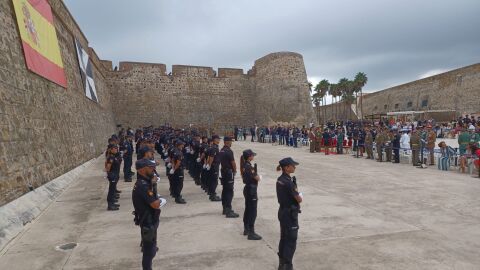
(321, 89)
(360, 81)
(333, 90)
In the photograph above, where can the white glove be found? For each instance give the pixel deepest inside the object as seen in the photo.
(204, 166)
(169, 165)
(260, 177)
(158, 179)
(208, 167)
(167, 159)
(187, 151)
(301, 195)
(192, 152)
(162, 202)
(172, 171)
(164, 152)
(198, 160)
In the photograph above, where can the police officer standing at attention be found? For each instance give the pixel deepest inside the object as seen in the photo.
(127, 157)
(147, 209)
(229, 170)
(212, 167)
(250, 179)
(112, 167)
(289, 199)
(177, 172)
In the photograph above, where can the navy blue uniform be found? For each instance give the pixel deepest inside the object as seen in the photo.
(212, 174)
(148, 217)
(226, 158)
(113, 175)
(288, 217)
(178, 175)
(251, 196)
(128, 160)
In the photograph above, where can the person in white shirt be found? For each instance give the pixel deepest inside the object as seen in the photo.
(405, 140)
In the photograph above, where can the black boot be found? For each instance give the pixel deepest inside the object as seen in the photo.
(112, 207)
(180, 200)
(252, 235)
(224, 212)
(215, 198)
(231, 214)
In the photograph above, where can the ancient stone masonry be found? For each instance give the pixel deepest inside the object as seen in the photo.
(274, 90)
(46, 130)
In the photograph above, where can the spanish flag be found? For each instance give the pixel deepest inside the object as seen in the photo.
(39, 39)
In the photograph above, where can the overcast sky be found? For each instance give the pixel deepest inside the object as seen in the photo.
(392, 41)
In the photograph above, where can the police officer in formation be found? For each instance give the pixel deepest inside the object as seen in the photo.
(147, 209)
(229, 170)
(127, 157)
(177, 172)
(289, 199)
(112, 167)
(250, 179)
(212, 166)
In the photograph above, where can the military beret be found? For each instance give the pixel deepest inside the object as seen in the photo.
(179, 142)
(227, 139)
(215, 137)
(142, 163)
(288, 161)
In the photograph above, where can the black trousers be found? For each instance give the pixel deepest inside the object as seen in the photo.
(112, 187)
(127, 167)
(204, 178)
(149, 252)
(212, 181)
(396, 153)
(251, 200)
(288, 234)
(227, 190)
(177, 183)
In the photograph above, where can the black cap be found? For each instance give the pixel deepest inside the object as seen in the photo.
(248, 153)
(227, 139)
(287, 161)
(179, 142)
(110, 146)
(142, 163)
(143, 150)
(215, 137)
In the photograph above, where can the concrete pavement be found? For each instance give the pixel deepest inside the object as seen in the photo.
(357, 214)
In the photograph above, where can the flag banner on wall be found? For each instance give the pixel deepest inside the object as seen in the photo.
(86, 72)
(39, 39)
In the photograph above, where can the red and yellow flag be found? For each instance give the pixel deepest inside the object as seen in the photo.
(39, 39)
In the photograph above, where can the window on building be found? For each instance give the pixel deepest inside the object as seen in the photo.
(385, 106)
(396, 106)
(409, 104)
(375, 108)
(425, 103)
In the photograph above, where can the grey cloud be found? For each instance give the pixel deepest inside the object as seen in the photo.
(392, 41)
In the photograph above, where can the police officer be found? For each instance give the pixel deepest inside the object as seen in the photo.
(289, 199)
(177, 172)
(229, 170)
(212, 167)
(127, 157)
(206, 143)
(250, 179)
(147, 209)
(112, 167)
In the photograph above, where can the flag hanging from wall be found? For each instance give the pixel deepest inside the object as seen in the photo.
(39, 39)
(86, 72)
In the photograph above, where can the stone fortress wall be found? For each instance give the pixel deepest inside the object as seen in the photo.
(457, 90)
(47, 130)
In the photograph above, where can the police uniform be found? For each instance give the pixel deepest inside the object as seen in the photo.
(177, 175)
(146, 217)
(213, 170)
(203, 172)
(113, 175)
(249, 173)
(227, 180)
(287, 215)
(128, 160)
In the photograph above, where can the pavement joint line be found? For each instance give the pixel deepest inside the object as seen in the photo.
(361, 236)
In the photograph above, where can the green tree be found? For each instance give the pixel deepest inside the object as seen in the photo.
(321, 90)
(360, 81)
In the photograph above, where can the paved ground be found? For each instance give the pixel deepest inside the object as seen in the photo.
(384, 216)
